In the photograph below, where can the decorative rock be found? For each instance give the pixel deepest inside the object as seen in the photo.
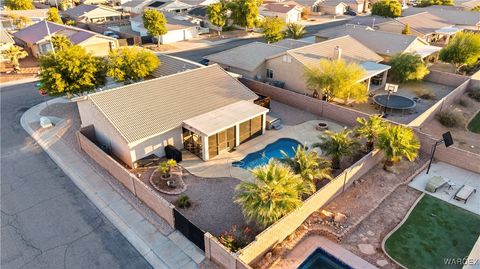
(370, 233)
(339, 217)
(268, 255)
(326, 215)
(366, 249)
(382, 263)
(45, 122)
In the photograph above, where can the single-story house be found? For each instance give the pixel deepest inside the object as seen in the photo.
(6, 42)
(134, 6)
(178, 30)
(467, 5)
(461, 19)
(200, 3)
(173, 6)
(425, 25)
(35, 38)
(9, 18)
(211, 114)
(385, 44)
(292, 43)
(332, 7)
(95, 14)
(287, 68)
(359, 6)
(288, 11)
(170, 65)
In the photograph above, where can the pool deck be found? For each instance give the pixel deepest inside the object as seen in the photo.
(308, 245)
(456, 175)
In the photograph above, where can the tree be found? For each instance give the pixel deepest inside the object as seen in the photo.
(463, 50)
(244, 13)
(387, 8)
(18, 21)
(398, 142)
(370, 129)
(406, 30)
(426, 3)
(295, 30)
(408, 66)
(155, 23)
(305, 13)
(272, 28)
(53, 16)
(309, 166)
(14, 55)
(338, 79)
(61, 42)
(71, 23)
(71, 71)
(337, 145)
(217, 15)
(131, 64)
(476, 8)
(19, 4)
(274, 194)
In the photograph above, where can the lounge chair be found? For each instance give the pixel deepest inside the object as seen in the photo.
(464, 193)
(435, 183)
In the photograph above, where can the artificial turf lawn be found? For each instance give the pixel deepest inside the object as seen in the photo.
(435, 230)
(474, 124)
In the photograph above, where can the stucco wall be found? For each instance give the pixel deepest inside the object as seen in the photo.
(289, 72)
(246, 74)
(156, 145)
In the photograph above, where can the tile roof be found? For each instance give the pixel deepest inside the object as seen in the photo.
(247, 57)
(425, 22)
(352, 51)
(280, 7)
(385, 43)
(79, 10)
(133, 3)
(172, 65)
(172, 23)
(143, 110)
(5, 37)
(291, 43)
(29, 13)
(452, 15)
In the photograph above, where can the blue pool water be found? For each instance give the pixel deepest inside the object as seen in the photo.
(320, 259)
(273, 150)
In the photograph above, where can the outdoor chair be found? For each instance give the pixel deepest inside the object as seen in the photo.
(435, 183)
(464, 193)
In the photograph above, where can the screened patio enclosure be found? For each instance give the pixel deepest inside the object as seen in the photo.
(221, 130)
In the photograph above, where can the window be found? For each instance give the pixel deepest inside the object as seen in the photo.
(45, 48)
(269, 73)
(287, 59)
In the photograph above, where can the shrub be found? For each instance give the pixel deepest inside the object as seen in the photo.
(183, 201)
(408, 66)
(235, 240)
(474, 94)
(426, 94)
(387, 8)
(464, 101)
(450, 118)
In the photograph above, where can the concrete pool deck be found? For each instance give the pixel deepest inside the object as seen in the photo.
(456, 175)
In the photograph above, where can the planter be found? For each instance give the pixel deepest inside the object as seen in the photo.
(322, 126)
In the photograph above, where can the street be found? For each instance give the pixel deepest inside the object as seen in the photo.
(46, 221)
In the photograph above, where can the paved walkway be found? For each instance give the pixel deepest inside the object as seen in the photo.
(162, 249)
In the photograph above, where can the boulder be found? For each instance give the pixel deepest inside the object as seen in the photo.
(340, 218)
(326, 215)
(366, 249)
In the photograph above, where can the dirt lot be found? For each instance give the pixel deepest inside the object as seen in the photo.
(464, 139)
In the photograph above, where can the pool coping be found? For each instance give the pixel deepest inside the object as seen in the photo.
(398, 227)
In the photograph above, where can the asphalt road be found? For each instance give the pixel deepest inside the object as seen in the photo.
(46, 221)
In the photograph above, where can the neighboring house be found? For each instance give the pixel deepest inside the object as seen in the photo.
(200, 3)
(469, 20)
(288, 67)
(170, 65)
(332, 7)
(6, 42)
(384, 44)
(35, 38)
(211, 114)
(33, 15)
(292, 43)
(135, 6)
(169, 6)
(178, 30)
(287, 11)
(95, 14)
(425, 25)
(359, 6)
(247, 60)
(468, 4)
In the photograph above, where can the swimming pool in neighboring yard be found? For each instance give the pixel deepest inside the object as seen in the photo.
(320, 259)
(273, 150)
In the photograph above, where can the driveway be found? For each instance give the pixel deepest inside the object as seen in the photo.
(46, 221)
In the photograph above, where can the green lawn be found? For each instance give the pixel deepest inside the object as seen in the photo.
(474, 124)
(435, 230)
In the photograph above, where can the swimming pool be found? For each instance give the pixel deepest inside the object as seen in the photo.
(273, 150)
(320, 259)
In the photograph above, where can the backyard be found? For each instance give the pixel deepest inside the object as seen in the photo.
(474, 124)
(433, 232)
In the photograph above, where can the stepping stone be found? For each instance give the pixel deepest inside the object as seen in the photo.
(366, 249)
(370, 233)
(382, 263)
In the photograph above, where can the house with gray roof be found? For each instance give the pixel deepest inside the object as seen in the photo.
(207, 116)
(170, 65)
(95, 14)
(179, 28)
(462, 19)
(6, 42)
(385, 44)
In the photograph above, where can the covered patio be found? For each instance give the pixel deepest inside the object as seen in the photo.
(376, 75)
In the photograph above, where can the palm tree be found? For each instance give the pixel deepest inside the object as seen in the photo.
(14, 54)
(295, 30)
(398, 142)
(309, 165)
(275, 192)
(369, 129)
(337, 145)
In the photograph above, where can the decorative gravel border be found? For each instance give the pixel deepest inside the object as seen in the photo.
(175, 191)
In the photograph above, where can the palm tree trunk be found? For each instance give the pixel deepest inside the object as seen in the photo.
(369, 145)
(335, 162)
(158, 41)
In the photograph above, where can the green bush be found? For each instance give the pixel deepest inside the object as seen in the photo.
(408, 67)
(450, 118)
(474, 94)
(183, 201)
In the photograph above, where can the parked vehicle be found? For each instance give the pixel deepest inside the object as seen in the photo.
(111, 34)
(350, 13)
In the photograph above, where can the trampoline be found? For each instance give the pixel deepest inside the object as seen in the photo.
(397, 102)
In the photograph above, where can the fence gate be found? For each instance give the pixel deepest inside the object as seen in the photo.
(189, 230)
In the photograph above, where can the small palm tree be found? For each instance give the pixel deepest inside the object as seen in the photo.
(398, 142)
(295, 30)
(337, 145)
(275, 192)
(14, 54)
(309, 165)
(370, 129)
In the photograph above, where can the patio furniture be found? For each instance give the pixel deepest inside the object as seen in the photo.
(435, 183)
(464, 193)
